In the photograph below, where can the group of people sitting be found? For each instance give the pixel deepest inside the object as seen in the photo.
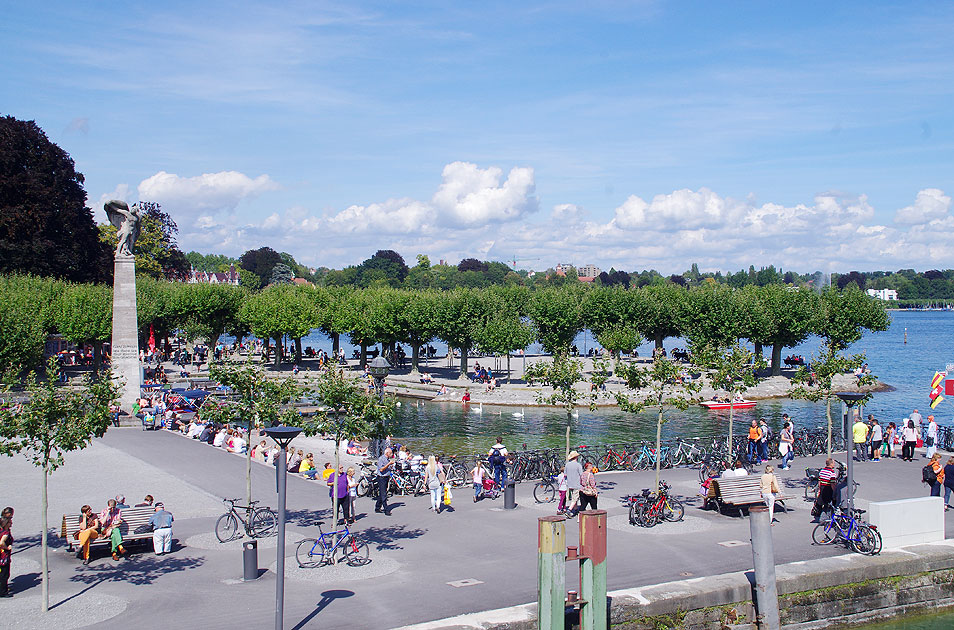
(485, 376)
(106, 524)
(794, 359)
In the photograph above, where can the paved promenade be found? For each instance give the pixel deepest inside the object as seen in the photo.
(415, 553)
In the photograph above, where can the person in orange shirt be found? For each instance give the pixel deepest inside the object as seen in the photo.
(755, 434)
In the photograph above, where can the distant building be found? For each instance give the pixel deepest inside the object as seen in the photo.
(204, 277)
(589, 271)
(562, 268)
(883, 294)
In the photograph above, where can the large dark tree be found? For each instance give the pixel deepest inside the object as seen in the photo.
(157, 254)
(472, 264)
(385, 266)
(45, 227)
(260, 261)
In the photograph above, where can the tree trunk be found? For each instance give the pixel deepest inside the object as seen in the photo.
(248, 463)
(298, 351)
(508, 367)
(364, 356)
(97, 357)
(758, 349)
(463, 362)
(415, 357)
(828, 415)
(567, 454)
(659, 423)
(659, 341)
(731, 417)
(279, 351)
(335, 344)
(776, 359)
(44, 550)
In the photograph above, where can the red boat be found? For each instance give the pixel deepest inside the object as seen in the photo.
(739, 404)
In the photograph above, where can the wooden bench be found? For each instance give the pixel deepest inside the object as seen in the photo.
(740, 493)
(135, 527)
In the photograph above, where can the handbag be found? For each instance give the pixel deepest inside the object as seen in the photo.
(447, 495)
(783, 448)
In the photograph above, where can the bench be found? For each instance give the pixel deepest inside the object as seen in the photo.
(135, 527)
(740, 493)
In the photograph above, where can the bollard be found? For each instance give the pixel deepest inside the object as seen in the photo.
(763, 555)
(250, 560)
(593, 570)
(510, 499)
(551, 572)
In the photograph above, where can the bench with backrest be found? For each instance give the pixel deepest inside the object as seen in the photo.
(740, 493)
(135, 527)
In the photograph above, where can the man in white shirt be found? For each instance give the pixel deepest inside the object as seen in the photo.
(497, 458)
(930, 440)
(219, 439)
(574, 473)
(238, 443)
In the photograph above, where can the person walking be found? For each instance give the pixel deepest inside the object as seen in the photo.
(891, 435)
(338, 492)
(6, 552)
(769, 485)
(161, 523)
(352, 493)
(588, 489)
(859, 432)
(786, 446)
(917, 419)
(766, 434)
(755, 434)
(948, 481)
(930, 440)
(574, 475)
(383, 470)
(933, 475)
(434, 480)
(561, 486)
(477, 474)
(910, 437)
(497, 458)
(877, 436)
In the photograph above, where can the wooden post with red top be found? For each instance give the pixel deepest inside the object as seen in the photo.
(551, 572)
(593, 570)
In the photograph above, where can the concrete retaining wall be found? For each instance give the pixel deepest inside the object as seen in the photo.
(813, 594)
(908, 521)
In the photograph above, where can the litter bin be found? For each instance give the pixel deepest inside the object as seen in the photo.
(250, 558)
(510, 501)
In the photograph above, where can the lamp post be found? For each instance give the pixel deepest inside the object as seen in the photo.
(848, 401)
(283, 436)
(378, 368)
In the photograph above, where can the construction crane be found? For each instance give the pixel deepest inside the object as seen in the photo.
(513, 261)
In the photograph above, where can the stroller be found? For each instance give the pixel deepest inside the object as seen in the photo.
(490, 489)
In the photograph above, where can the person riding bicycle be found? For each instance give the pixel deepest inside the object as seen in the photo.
(497, 458)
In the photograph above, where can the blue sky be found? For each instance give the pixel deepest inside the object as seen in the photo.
(627, 134)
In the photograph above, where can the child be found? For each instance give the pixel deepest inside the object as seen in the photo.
(561, 485)
(477, 474)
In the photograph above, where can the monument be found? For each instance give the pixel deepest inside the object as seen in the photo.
(125, 342)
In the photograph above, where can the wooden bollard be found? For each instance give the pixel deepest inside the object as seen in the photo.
(551, 572)
(593, 570)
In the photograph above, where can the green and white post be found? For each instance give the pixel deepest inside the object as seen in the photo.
(551, 572)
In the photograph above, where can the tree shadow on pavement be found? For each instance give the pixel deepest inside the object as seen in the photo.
(326, 598)
(138, 570)
(384, 538)
(306, 518)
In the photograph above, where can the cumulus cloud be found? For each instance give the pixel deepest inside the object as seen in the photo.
(471, 196)
(121, 193)
(930, 204)
(678, 210)
(207, 192)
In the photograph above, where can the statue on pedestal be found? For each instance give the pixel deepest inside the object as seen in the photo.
(126, 221)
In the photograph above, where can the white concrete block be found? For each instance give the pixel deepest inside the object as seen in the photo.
(908, 521)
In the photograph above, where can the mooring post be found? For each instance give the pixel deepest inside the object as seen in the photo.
(593, 570)
(763, 555)
(551, 572)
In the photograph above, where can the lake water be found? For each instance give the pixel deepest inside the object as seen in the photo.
(929, 622)
(908, 368)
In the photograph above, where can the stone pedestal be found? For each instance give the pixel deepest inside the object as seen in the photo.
(125, 343)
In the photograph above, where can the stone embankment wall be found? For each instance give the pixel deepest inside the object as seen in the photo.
(826, 593)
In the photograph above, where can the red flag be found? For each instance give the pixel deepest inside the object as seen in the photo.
(152, 339)
(949, 387)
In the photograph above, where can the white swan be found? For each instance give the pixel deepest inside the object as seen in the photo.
(479, 409)
(399, 403)
(518, 415)
(575, 414)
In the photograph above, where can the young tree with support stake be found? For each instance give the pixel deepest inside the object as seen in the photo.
(666, 391)
(562, 374)
(731, 370)
(50, 424)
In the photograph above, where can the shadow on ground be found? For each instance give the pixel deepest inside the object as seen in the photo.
(326, 599)
(385, 538)
(138, 570)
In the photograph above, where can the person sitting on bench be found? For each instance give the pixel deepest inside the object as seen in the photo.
(89, 529)
(110, 519)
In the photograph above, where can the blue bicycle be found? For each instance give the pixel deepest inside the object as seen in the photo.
(849, 528)
(313, 552)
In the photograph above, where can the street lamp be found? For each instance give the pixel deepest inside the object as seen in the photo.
(849, 400)
(283, 436)
(378, 369)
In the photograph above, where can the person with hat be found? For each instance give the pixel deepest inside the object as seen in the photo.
(574, 475)
(161, 523)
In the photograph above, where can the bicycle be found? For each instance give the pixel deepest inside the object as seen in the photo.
(545, 490)
(258, 522)
(313, 552)
(651, 508)
(857, 535)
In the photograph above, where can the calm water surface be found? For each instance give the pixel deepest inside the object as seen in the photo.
(931, 622)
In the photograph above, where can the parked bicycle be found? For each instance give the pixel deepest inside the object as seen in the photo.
(546, 489)
(313, 552)
(651, 508)
(849, 528)
(258, 522)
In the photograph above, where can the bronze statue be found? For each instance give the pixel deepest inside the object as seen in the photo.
(126, 221)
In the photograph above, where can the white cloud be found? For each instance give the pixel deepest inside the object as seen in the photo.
(121, 192)
(681, 209)
(471, 196)
(207, 192)
(930, 204)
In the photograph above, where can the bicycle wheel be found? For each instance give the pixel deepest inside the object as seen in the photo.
(544, 492)
(824, 534)
(634, 513)
(364, 487)
(226, 528)
(309, 553)
(356, 552)
(264, 523)
(867, 541)
(673, 510)
(811, 491)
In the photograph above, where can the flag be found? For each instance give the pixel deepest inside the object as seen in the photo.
(938, 379)
(936, 401)
(949, 387)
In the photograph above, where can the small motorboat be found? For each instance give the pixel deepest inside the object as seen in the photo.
(718, 404)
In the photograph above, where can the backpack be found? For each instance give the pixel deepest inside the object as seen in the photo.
(496, 458)
(928, 475)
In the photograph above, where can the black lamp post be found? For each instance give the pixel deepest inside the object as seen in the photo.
(849, 400)
(378, 368)
(283, 436)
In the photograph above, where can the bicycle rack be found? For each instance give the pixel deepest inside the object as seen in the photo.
(553, 554)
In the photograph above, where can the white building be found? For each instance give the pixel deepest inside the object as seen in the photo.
(202, 277)
(589, 270)
(883, 294)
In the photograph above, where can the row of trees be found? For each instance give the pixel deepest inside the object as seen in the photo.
(496, 320)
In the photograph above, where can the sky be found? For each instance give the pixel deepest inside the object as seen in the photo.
(634, 135)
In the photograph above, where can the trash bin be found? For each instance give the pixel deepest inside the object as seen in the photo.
(250, 558)
(510, 501)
